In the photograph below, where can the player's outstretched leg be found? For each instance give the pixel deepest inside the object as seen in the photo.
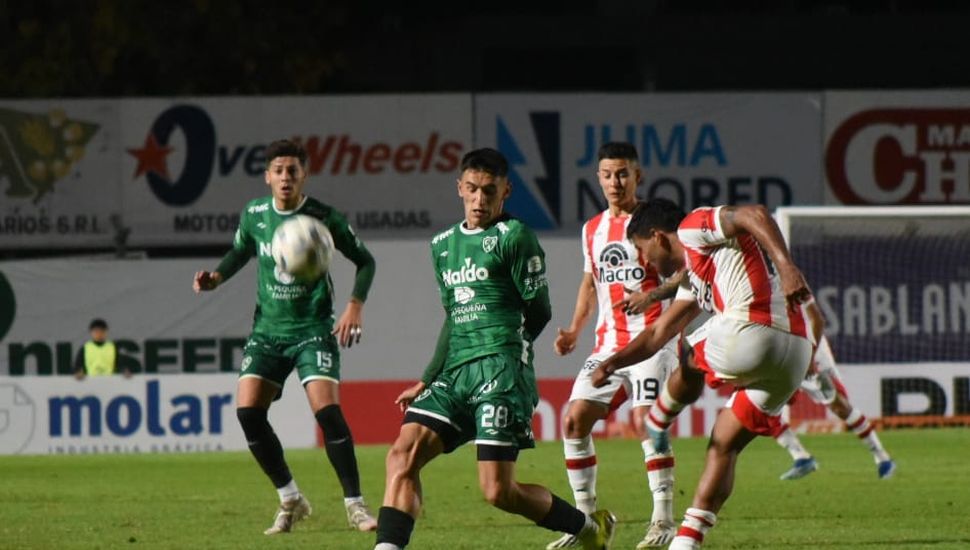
(496, 475)
(728, 439)
(268, 451)
(660, 475)
(340, 450)
(860, 425)
(803, 462)
(580, 455)
(415, 446)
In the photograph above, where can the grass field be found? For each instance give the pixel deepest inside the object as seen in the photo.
(223, 501)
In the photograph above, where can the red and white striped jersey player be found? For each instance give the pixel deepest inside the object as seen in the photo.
(740, 270)
(621, 288)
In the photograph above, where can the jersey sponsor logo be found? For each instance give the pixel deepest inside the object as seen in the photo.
(258, 208)
(464, 294)
(489, 243)
(613, 268)
(467, 313)
(470, 273)
(534, 265)
(901, 156)
(266, 249)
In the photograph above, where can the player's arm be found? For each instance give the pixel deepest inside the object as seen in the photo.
(243, 248)
(756, 221)
(431, 371)
(638, 302)
(585, 305)
(670, 323)
(349, 327)
(528, 268)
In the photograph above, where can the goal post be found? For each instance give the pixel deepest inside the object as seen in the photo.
(894, 286)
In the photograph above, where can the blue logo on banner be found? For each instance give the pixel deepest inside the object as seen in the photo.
(536, 183)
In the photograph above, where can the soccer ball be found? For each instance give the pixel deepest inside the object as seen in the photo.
(302, 248)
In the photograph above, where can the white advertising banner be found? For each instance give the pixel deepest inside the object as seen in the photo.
(897, 147)
(141, 414)
(170, 172)
(695, 149)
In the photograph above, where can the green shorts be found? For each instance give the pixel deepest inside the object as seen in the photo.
(273, 358)
(488, 400)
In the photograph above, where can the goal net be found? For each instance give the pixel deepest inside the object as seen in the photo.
(894, 286)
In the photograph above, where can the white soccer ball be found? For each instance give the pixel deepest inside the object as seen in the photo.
(302, 247)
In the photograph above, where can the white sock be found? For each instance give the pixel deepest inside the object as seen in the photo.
(663, 411)
(660, 476)
(696, 524)
(791, 443)
(352, 500)
(289, 491)
(860, 425)
(387, 546)
(581, 470)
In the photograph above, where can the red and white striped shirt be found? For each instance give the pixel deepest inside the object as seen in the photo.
(615, 263)
(733, 276)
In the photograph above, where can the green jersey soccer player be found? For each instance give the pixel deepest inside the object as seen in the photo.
(293, 328)
(480, 385)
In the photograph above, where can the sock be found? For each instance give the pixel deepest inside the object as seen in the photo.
(660, 476)
(858, 423)
(663, 411)
(394, 527)
(340, 448)
(792, 444)
(289, 491)
(387, 546)
(581, 470)
(696, 524)
(264, 445)
(563, 518)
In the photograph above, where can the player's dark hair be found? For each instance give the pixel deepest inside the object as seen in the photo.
(98, 323)
(486, 160)
(285, 148)
(617, 150)
(655, 214)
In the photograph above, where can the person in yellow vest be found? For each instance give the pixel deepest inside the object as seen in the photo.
(98, 357)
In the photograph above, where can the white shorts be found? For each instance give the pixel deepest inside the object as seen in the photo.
(641, 383)
(766, 365)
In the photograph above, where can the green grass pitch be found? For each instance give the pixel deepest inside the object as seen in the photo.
(222, 500)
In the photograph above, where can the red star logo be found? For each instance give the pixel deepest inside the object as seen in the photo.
(151, 157)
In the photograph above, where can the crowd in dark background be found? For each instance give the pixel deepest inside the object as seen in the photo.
(107, 48)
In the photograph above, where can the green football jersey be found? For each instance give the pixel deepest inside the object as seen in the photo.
(286, 307)
(485, 277)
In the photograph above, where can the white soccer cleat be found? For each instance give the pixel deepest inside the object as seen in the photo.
(290, 512)
(359, 516)
(659, 534)
(565, 541)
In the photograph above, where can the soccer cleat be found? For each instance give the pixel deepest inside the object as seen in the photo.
(659, 534)
(290, 512)
(886, 469)
(565, 541)
(801, 468)
(359, 516)
(600, 538)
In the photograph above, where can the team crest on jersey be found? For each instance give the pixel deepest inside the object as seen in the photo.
(464, 294)
(489, 243)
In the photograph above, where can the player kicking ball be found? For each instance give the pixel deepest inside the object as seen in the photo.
(480, 385)
(293, 329)
(824, 386)
(618, 285)
(758, 340)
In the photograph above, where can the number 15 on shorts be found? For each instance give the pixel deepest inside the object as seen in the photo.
(324, 360)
